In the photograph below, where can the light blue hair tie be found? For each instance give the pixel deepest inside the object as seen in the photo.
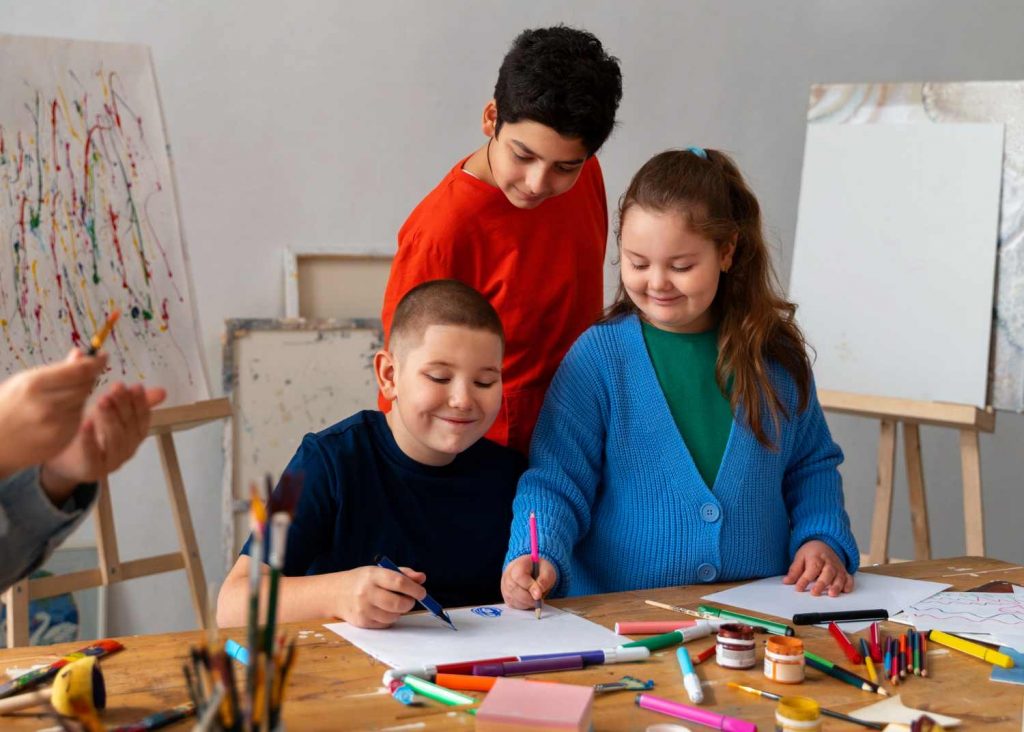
(698, 151)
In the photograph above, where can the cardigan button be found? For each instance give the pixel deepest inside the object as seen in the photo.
(710, 512)
(707, 572)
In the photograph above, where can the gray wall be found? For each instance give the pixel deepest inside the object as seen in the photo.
(323, 123)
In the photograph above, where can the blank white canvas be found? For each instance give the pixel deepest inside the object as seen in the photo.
(894, 260)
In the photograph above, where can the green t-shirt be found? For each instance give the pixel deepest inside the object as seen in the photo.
(685, 366)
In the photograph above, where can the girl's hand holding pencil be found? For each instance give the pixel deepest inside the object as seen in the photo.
(518, 587)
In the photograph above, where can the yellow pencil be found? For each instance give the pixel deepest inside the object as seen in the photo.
(868, 664)
(973, 649)
(97, 340)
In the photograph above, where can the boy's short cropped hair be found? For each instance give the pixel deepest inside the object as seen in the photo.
(560, 77)
(443, 302)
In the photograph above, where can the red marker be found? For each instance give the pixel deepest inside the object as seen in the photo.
(844, 643)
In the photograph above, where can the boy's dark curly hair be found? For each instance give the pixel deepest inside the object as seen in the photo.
(563, 78)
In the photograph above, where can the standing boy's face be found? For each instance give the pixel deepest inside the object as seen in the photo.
(670, 272)
(445, 390)
(530, 162)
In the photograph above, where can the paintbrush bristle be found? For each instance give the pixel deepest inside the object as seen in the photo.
(285, 497)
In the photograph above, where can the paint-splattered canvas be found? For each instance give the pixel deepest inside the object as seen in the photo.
(89, 216)
(958, 102)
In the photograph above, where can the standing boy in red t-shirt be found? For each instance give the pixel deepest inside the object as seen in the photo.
(524, 219)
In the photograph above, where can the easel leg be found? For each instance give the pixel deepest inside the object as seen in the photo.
(879, 553)
(16, 600)
(915, 485)
(183, 520)
(974, 515)
(106, 536)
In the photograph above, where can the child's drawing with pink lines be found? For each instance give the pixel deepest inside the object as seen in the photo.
(969, 612)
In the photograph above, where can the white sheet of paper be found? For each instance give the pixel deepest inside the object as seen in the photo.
(422, 639)
(770, 597)
(969, 612)
(894, 710)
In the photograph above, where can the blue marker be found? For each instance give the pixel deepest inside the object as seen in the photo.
(690, 678)
(237, 651)
(432, 605)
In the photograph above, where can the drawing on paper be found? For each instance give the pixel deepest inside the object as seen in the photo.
(981, 612)
(89, 217)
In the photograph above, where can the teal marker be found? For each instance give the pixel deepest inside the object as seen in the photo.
(769, 625)
(691, 681)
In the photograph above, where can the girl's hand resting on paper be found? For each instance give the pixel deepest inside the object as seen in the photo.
(374, 597)
(817, 568)
(519, 588)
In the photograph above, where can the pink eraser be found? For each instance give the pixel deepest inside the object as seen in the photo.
(516, 704)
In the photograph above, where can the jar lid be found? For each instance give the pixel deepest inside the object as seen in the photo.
(785, 645)
(736, 630)
(799, 708)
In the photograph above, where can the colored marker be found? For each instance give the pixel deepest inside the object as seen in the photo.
(533, 666)
(535, 559)
(237, 651)
(674, 637)
(437, 693)
(432, 606)
(769, 625)
(868, 664)
(970, 648)
(844, 644)
(691, 681)
(826, 712)
(694, 714)
(651, 627)
(464, 682)
(590, 658)
(96, 342)
(843, 616)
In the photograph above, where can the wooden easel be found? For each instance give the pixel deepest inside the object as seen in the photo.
(910, 414)
(111, 569)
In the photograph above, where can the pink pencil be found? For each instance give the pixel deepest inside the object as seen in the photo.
(535, 558)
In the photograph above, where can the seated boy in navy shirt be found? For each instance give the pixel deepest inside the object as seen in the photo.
(419, 484)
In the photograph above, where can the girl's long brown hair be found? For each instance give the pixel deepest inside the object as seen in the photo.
(756, 323)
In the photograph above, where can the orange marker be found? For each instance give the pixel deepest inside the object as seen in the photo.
(463, 682)
(97, 340)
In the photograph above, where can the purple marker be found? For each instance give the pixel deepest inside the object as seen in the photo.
(592, 658)
(536, 666)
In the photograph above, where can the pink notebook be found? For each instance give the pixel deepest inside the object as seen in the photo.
(517, 704)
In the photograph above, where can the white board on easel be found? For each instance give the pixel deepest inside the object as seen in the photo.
(894, 260)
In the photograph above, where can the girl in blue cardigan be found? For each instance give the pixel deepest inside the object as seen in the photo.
(681, 440)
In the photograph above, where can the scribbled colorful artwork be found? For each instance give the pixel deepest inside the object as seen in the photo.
(984, 101)
(89, 216)
(977, 612)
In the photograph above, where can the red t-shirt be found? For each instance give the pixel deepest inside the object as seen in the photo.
(541, 269)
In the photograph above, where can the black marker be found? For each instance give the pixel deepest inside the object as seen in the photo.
(841, 616)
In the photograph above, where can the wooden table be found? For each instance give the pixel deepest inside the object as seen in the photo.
(336, 686)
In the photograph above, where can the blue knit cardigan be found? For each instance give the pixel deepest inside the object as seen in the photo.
(620, 504)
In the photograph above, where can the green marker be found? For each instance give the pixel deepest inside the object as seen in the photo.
(769, 625)
(435, 692)
(657, 642)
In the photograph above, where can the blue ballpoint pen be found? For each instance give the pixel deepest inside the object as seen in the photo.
(428, 602)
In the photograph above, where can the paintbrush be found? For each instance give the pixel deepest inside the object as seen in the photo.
(257, 521)
(96, 342)
(826, 712)
(684, 610)
(278, 536)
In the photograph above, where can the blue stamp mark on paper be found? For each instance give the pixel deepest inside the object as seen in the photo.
(487, 612)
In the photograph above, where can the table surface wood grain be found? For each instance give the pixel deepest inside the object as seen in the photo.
(334, 685)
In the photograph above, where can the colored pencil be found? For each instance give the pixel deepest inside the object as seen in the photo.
(924, 654)
(902, 665)
(826, 712)
(868, 663)
(841, 674)
(96, 342)
(705, 654)
(535, 560)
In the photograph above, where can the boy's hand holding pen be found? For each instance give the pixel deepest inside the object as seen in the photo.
(375, 597)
